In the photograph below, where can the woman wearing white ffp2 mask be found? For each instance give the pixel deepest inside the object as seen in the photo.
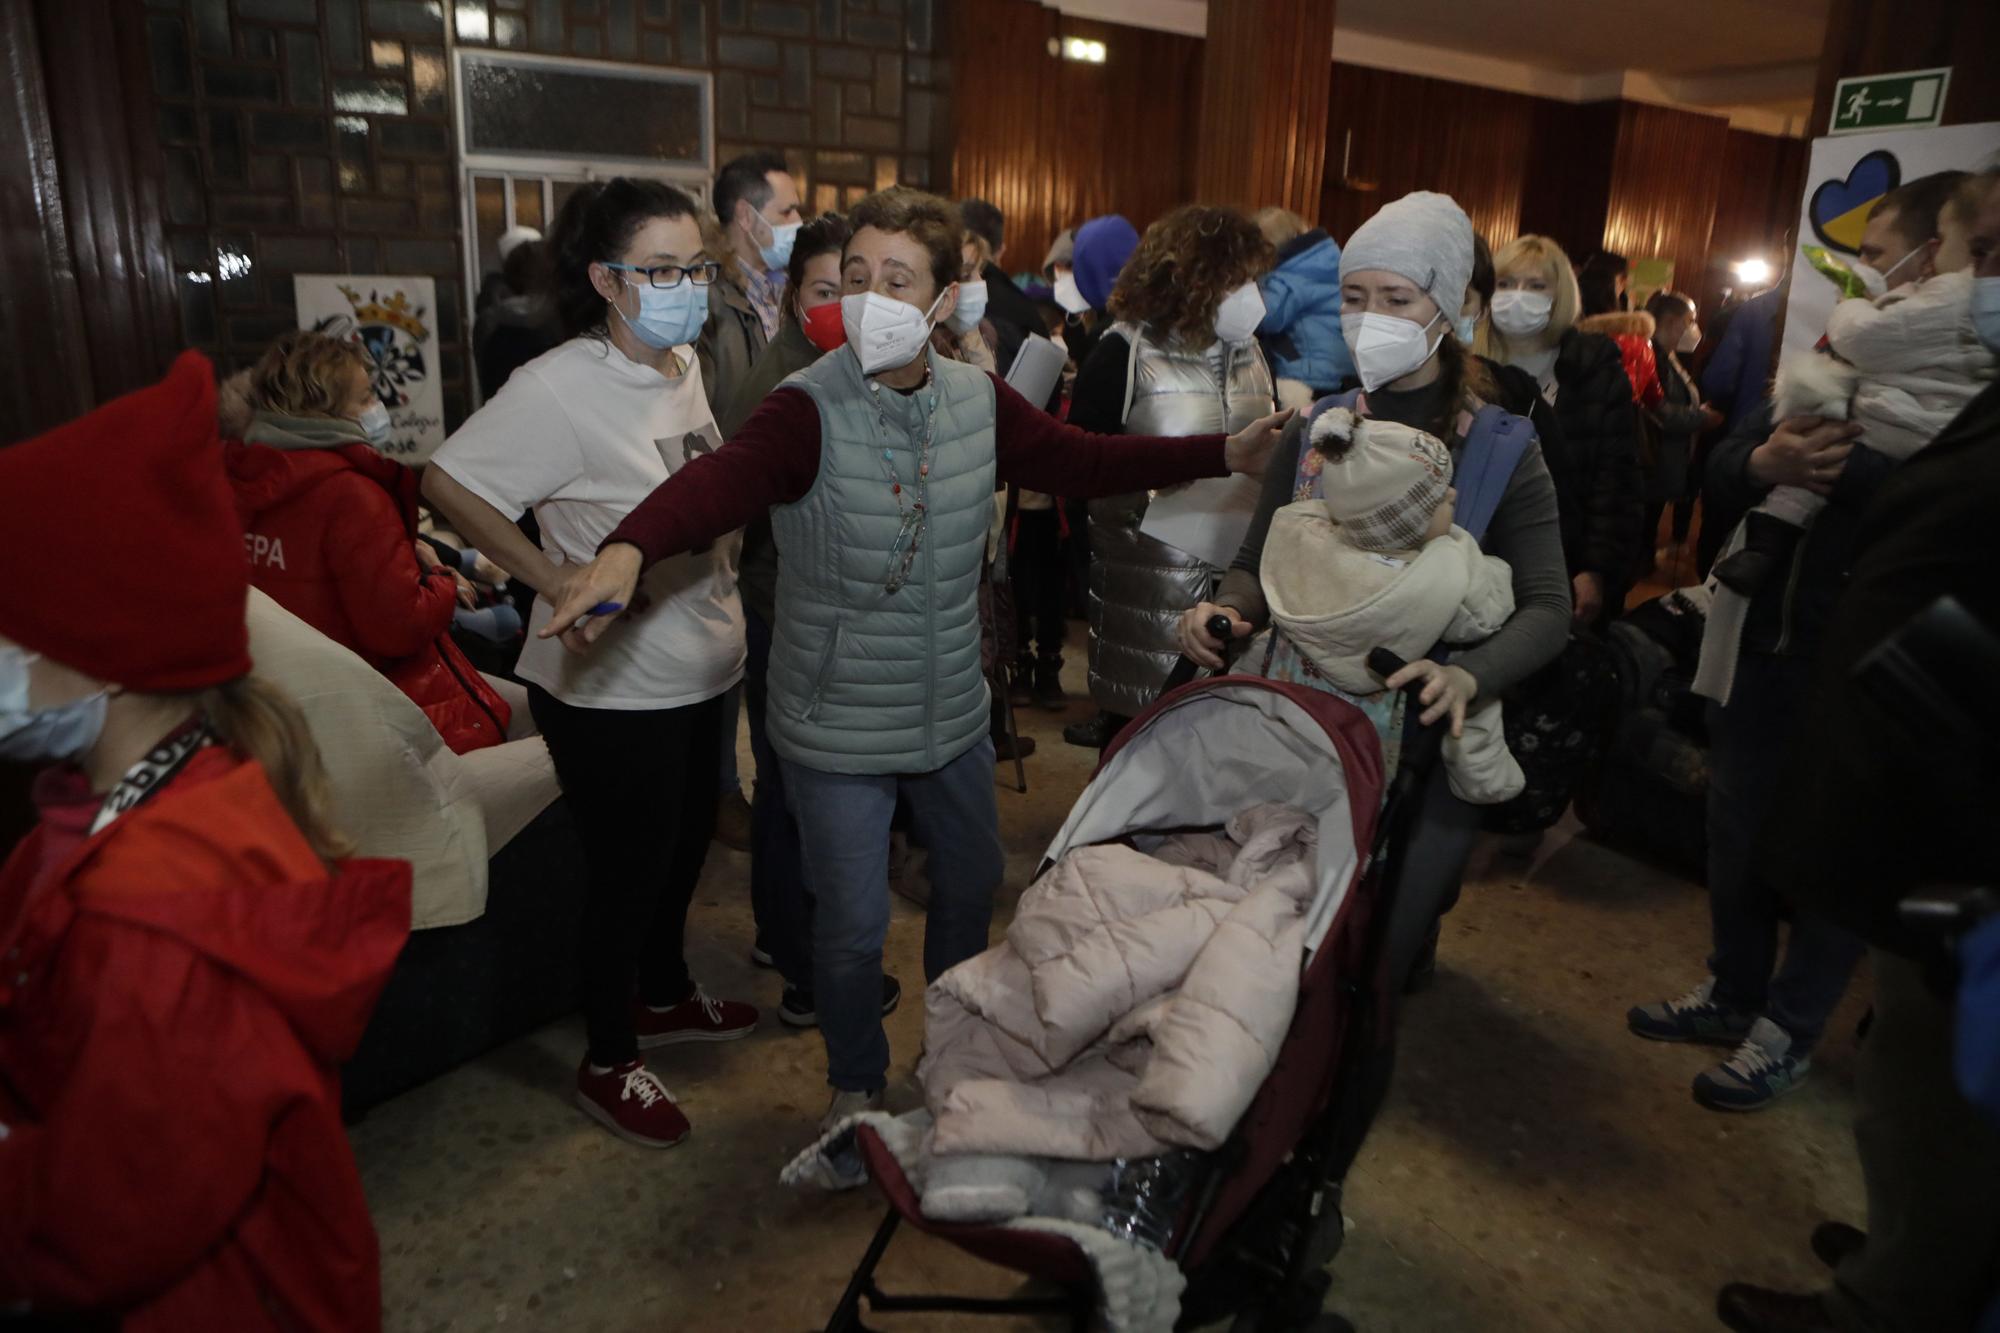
(880, 494)
(1595, 460)
(1404, 277)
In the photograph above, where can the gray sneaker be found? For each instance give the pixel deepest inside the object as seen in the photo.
(1693, 1017)
(846, 1105)
(1763, 1069)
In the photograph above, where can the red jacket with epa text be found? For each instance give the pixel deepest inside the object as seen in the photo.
(178, 993)
(329, 532)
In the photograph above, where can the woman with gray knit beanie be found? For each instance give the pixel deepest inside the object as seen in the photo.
(1403, 279)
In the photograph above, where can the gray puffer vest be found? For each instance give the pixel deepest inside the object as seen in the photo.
(1139, 585)
(863, 680)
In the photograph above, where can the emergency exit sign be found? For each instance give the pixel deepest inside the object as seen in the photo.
(1909, 100)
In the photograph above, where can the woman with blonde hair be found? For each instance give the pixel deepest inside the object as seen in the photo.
(329, 519)
(188, 962)
(1533, 326)
(1182, 359)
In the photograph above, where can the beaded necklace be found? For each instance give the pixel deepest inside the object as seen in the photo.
(913, 512)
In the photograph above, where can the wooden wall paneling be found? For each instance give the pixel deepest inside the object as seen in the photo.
(1398, 132)
(1266, 70)
(1665, 178)
(1566, 184)
(107, 152)
(1053, 142)
(44, 365)
(1763, 178)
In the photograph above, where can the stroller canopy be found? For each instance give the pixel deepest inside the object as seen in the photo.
(1214, 748)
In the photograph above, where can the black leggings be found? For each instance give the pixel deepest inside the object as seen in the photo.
(1038, 581)
(644, 810)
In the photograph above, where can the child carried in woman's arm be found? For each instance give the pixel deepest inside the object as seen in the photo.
(1378, 563)
(1901, 366)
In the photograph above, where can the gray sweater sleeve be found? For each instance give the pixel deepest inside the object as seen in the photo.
(1525, 533)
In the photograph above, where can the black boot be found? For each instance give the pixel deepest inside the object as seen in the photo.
(1095, 732)
(1048, 690)
(1767, 543)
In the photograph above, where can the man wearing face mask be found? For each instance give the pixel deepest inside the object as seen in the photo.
(757, 203)
(1872, 807)
(879, 464)
(330, 527)
(1900, 243)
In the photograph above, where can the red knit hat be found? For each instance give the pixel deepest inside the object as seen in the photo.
(125, 552)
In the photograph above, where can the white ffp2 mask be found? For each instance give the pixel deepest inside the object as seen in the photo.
(1386, 347)
(1519, 313)
(885, 333)
(1239, 314)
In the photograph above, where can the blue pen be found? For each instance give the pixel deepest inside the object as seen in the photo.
(607, 608)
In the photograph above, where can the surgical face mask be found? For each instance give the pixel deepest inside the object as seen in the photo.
(1237, 318)
(823, 328)
(778, 253)
(374, 423)
(1068, 295)
(971, 307)
(1519, 313)
(1986, 312)
(1875, 282)
(1386, 347)
(668, 316)
(1467, 328)
(885, 333)
(1690, 340)
(39, 735)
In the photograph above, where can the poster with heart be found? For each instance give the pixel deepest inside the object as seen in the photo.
(1844, 178)
(395, 320)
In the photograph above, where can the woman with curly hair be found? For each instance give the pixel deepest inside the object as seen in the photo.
(1181, 360)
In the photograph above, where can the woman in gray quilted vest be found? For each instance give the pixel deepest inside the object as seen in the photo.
(1182, 359)
(878, 466)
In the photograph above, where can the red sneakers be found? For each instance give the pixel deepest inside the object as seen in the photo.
(699, 1017)
(630, 1102)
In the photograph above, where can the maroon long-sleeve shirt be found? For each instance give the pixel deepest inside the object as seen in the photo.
(773, 459)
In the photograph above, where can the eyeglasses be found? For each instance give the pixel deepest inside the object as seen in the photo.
(670, 275)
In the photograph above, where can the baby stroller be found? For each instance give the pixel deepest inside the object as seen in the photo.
(1255, 1238)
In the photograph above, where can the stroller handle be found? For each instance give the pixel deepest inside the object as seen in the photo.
(1421, 744)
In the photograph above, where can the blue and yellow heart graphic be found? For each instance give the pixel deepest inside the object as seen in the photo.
(1839, 208)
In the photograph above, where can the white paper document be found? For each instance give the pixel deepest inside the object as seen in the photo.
(1206, 519)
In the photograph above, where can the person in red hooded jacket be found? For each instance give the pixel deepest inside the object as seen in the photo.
(330, 524)
(186, 962)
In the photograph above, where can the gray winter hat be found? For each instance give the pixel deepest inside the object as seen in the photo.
(1423, 236)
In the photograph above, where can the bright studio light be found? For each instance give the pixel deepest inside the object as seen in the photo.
(1079, 48)
(1751, 272)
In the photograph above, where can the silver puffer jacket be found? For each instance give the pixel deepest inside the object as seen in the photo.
(1138, 585)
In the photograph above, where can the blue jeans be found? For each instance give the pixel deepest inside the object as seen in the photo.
(778, 898)
(1747, 741)
(844, 835)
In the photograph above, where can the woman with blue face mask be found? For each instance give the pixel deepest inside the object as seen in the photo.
(581, 435)
(329, 510)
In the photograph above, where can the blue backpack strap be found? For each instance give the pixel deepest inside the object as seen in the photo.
(1486, 463)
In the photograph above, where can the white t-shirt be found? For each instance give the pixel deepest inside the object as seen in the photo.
(581, 435)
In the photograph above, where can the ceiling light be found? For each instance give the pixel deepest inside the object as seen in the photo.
(1751, 272)
(1084, 49)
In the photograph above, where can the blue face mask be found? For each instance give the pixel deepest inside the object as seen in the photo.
(1467, 328)
(38, 735)
(668, 316)
(779, 252)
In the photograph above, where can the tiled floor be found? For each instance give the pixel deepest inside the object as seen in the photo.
(1535, 1169)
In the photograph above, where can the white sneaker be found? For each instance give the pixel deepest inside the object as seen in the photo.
(846, 1105)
